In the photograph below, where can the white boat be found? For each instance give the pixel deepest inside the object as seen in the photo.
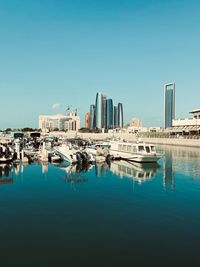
(66, 153)
(137, 152)
(73, 154)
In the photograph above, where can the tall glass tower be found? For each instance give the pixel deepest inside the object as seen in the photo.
(99, 111)
(120, 115)
(116, 117)
(104, 112)
(109, 111)
(92, 117)
(169, 104)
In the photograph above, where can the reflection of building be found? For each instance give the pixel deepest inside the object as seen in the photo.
(69, 122)
(87, 120)
(169, 104)
(168, 172)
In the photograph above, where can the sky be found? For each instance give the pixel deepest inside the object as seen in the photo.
(56, 53)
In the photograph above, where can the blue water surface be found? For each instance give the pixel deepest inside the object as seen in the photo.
(124, 214)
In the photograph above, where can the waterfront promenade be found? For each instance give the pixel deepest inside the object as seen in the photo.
(178, 141)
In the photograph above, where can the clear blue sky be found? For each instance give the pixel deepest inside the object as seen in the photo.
(64, 51)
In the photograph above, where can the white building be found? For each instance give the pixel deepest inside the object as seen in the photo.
(61, 122)
(188, 125)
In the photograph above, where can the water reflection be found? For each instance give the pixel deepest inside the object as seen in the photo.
(183, 160)
(72, 172)
(168, 172)
(137, 171)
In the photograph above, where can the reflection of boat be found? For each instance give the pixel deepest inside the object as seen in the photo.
(4, 173)
(137, 171)
(137, 152)
(6, 181)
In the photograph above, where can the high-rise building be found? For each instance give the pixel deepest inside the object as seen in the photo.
(104, 112)
(169, 104)
(99, 111)
(120, 115)
(92, 117)
(87, 120)
(116, 117)
(109, 111)
(104, 115)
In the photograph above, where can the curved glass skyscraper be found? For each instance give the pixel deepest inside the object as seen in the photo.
(99, 111)
(92, 117)
(109, 112)
(120, 115)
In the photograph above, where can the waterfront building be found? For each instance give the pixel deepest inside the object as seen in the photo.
(61, 122)
(169, 104)
(116, 117)
(87, 120)
(99, 111)
(120, 115)
(188, 125)
(92, 117)
(109, 111)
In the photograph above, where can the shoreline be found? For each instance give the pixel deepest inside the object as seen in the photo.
(132, 138)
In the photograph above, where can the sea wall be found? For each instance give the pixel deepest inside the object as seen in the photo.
(132, 137)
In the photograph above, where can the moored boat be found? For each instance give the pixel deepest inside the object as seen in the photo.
(137, 152)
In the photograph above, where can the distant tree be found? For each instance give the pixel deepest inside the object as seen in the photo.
(27, 129)
(8, 130)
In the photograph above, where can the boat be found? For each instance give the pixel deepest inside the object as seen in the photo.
(73, 154)
(99, 151)
(6, 154)
(137, 152)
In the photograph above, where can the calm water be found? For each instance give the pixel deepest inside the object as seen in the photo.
(118, 215)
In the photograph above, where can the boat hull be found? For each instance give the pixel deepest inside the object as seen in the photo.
(147, 158)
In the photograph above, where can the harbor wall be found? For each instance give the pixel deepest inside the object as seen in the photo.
(132, 137)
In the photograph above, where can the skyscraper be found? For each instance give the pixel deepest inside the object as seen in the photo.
(120, 115)
(104, 112)
(109, 111)
(116, 117)
(92, 117)
(87, 120)
(99, 111)
(169, 104)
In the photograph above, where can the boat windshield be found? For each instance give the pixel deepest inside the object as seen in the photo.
(147, 149)
(141, 148)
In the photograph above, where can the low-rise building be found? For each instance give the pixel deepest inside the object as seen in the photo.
(187, 125)
(61, 122)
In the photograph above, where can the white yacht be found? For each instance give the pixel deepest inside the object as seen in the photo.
(138, 152)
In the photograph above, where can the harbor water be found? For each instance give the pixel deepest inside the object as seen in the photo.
(121, 214)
